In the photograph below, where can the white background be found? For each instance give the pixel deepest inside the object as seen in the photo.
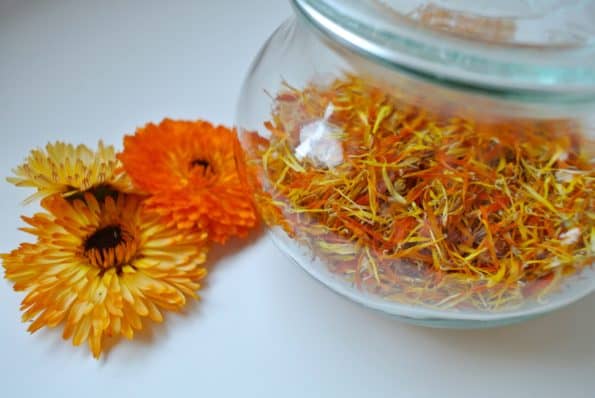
(84, 70)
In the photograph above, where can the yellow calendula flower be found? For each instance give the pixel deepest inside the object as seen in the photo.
(71, 170)
(101, 267)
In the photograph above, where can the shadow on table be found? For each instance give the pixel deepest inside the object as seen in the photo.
(565, 334)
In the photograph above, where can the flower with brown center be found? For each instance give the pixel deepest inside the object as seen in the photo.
(100, 267)
(190, 169)
(70, 171)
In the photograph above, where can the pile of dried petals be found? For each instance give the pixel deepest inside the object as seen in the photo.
(125, 236)
(422, 207)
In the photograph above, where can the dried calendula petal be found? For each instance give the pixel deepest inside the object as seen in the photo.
(425, 207)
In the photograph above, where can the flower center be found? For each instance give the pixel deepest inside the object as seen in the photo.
(100, 192)
(203, 164)
(109, 247)
(105, 238)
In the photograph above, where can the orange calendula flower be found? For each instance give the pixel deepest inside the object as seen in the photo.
(101, 267)
(190, 170)
(68, 170)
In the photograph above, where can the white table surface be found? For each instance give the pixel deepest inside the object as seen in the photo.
(84, 70)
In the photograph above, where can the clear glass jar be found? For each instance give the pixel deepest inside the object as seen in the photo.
(435, 161)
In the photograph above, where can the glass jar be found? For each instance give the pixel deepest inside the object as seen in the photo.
(433, 160)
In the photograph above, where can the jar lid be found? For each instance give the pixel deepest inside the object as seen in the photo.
(544, 46)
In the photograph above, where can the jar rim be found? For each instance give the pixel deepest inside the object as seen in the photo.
(556, 74)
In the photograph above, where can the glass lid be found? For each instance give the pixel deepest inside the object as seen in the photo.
(511, 45)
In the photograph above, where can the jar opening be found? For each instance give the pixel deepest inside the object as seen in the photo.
(457, 49)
